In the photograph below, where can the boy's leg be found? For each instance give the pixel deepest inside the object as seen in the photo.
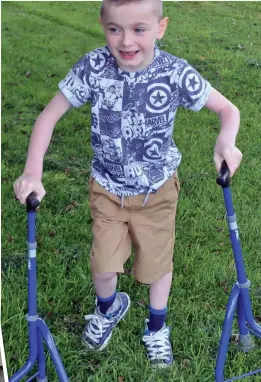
(98, 330)
(111, 246)
(111, 307)
(153, 234)
(159, 294)
(156, 337)
(105, 287)
(105, 283)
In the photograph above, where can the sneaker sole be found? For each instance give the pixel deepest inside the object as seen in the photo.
(109, 336)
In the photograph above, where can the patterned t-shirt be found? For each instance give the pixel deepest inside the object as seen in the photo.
(133, 116)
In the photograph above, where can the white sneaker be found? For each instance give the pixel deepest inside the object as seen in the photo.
(158, 346)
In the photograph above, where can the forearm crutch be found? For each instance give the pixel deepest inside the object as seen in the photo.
(39, 333)
(239, 300)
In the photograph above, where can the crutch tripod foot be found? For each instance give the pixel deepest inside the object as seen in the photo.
(246, 343)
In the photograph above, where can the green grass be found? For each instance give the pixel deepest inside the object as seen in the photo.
(222, 40)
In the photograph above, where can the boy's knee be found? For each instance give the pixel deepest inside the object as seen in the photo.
(104, 276)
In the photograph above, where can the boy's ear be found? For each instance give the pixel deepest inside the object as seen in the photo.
(162, 27)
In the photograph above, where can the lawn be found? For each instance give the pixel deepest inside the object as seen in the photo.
(40, 43)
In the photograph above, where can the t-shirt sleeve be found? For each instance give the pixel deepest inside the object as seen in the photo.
(75, 86)
(193, 89)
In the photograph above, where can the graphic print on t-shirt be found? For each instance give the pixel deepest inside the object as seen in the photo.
(133, 116)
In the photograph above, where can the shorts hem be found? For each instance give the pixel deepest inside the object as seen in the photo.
(153, 279)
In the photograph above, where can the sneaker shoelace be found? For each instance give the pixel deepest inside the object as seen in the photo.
(157, 345)
(97, 326)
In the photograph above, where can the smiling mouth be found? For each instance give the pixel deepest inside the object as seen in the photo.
(128, 55)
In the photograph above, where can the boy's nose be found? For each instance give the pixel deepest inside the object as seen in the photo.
(126, 39)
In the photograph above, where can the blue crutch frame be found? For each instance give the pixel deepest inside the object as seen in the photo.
(39, 332)
(239, 301)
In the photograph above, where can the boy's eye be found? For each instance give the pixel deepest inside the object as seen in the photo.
(139, 30)
(114, 30)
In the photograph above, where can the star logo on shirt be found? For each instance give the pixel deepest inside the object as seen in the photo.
(158, 98)
(153, 152)
(193, 82)
(97, 62)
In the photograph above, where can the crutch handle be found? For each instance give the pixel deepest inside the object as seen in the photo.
(32, 202)
(224, 175)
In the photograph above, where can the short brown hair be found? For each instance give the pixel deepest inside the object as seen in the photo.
(159, 9)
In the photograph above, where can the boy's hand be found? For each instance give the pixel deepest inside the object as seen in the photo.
(26, 184)
(228, 152)
(229, 116)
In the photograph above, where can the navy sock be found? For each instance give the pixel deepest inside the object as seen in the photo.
(157, 319)
(105, 303)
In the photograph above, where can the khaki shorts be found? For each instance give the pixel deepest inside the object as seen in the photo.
(149, 229)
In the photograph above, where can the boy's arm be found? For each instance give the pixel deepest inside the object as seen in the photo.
(229, 116)
(30, 180)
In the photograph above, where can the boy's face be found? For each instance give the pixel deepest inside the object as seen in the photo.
(131, 31)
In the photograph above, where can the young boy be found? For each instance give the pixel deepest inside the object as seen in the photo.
(135, 90)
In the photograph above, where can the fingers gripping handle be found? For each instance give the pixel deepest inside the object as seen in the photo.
(224, 175)
(32, 202)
